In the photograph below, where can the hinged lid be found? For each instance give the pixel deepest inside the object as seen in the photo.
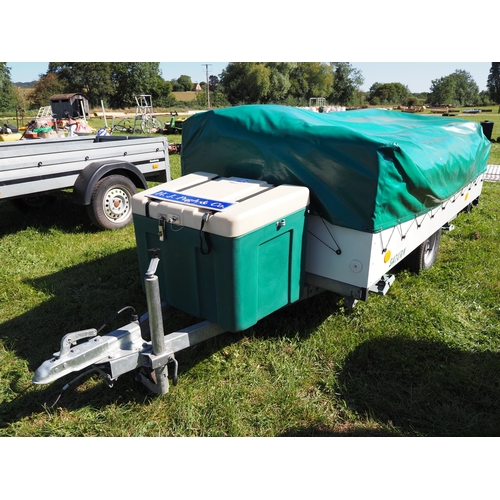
(235, 205)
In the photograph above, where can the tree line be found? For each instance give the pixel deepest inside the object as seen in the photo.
(288, 83)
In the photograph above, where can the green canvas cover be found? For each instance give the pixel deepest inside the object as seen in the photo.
(366, 169)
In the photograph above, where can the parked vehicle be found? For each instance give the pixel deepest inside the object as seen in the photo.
(276, 204)
(104, 173)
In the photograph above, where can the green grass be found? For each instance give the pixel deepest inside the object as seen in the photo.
(421, 361)
(494, 158)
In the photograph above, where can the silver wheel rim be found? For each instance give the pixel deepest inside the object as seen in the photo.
(429, 250)
(117, 204)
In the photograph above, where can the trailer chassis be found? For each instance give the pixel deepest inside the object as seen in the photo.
(124, 350)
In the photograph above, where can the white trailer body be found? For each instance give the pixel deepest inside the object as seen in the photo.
(352, 262)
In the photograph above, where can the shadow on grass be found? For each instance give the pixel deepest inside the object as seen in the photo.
(47, 399)
(84, 296)
(356, 431)
(300, 319)
(126, 389)
(60, 213)
(423, 387)
(416, 387)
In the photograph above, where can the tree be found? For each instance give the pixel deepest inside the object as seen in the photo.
(176, 86)
(493, 83)
(388, 93)
(466, 89)
(442, 91)
(19, 99)
(346, 83)
(485, 99)
(217, 99)
(93, 79)
(213, 83)
(162, 94)
(288, 82)
(310, 79)
(186, 83)
(47, 86)
(257, 82)
(7, 98)
(459, 88)
(132, 78)
(245, 82)
(279, 81)
(114, 83)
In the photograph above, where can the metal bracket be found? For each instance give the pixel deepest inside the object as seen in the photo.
(124, 350)
(161, 229)
(153, 263)
(381, 287)
(152, 383)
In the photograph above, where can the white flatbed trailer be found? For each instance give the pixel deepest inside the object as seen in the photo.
(103, 172)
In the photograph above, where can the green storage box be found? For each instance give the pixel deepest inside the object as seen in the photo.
(231, 249)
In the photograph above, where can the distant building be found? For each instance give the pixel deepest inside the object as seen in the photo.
(197, 87)
(74, 105)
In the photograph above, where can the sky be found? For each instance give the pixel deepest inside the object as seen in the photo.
(392, 43)
(417, 76)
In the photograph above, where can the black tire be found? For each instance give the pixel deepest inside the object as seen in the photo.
(111, 204)
(424, 256)
(32, 203)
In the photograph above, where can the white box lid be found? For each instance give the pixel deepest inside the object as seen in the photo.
(235, 206)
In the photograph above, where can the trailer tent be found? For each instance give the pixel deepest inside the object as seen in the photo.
(367, 169)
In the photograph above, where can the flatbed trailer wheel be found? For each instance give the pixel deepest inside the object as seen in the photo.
(111, 204)
(424, 256)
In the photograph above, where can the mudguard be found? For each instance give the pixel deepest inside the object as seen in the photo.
(94, 172)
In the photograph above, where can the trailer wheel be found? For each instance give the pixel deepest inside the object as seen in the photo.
(111, 203)
(424, 256)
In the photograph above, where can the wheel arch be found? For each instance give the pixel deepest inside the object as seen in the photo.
(94, 172)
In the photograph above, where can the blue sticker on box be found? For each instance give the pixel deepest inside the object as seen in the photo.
(194, 201)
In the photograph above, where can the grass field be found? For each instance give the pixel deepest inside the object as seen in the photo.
(185, 96)
(421, 361)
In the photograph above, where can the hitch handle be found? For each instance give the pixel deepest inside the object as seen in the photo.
(71, 339)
